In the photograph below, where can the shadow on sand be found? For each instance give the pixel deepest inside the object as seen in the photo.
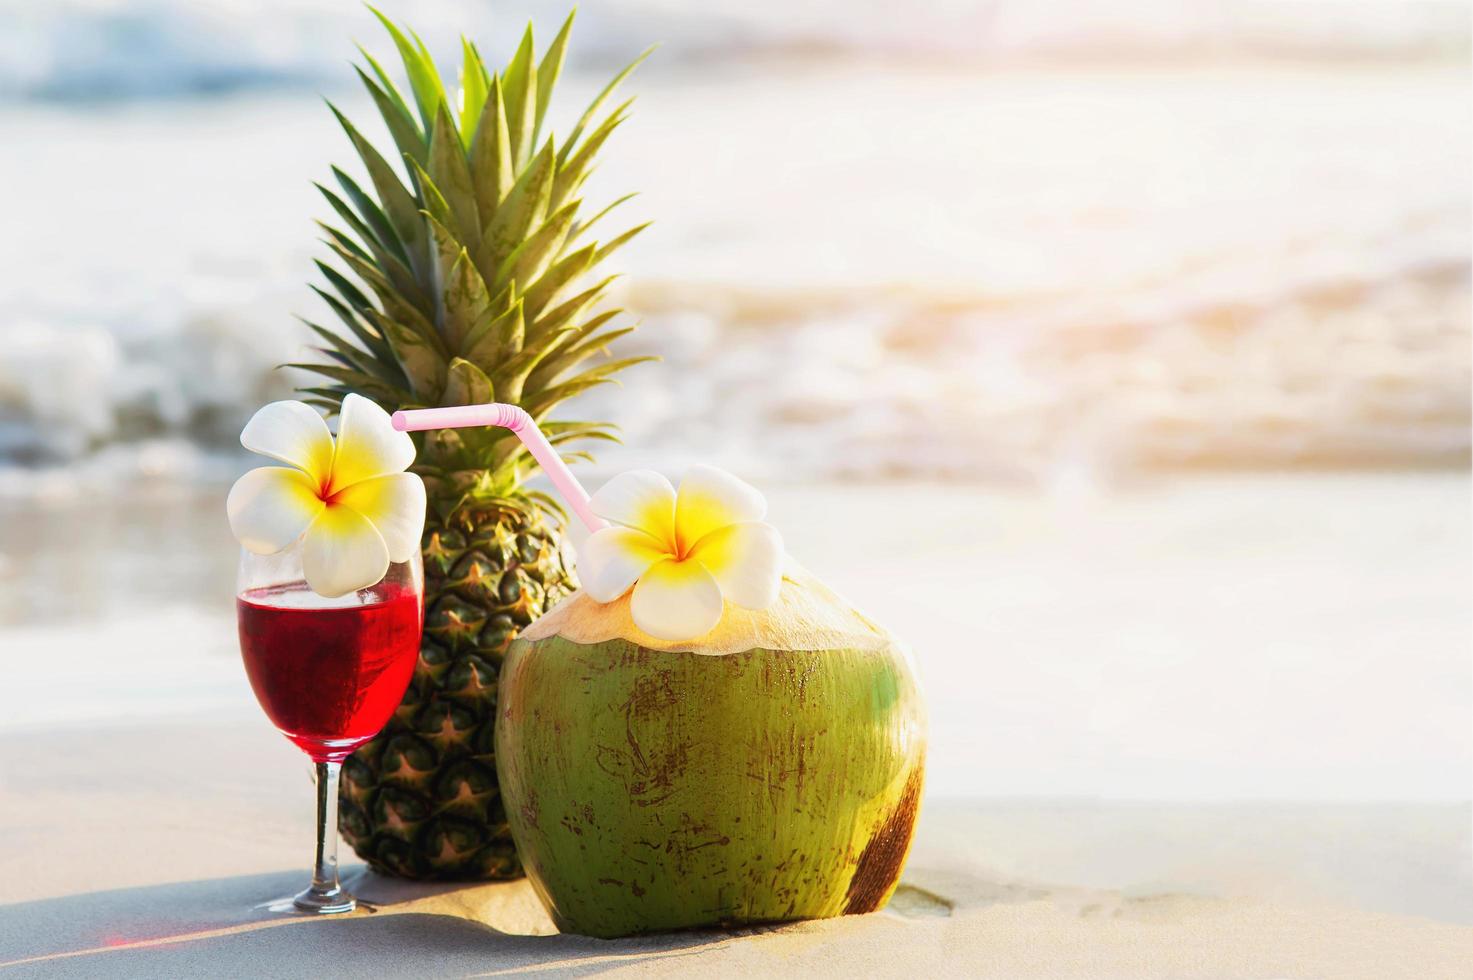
(213, 928)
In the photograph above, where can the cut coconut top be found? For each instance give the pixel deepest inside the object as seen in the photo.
(807, 615)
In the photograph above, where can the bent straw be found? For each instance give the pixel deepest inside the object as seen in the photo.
(513, 418)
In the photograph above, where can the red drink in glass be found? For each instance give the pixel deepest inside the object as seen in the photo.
(329, 671)
(329, 674)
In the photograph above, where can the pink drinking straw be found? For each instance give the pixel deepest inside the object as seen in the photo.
(513, 418)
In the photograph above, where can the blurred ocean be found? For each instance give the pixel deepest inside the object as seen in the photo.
(86, 50)
(1039, 244)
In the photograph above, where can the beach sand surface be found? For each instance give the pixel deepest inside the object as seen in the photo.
(144, 852)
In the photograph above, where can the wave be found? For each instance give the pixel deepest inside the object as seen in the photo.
(1348, 368)
(91, 50)
(1041, 308)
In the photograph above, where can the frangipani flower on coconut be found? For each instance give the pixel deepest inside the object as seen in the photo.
(347, 500)
(682, 553)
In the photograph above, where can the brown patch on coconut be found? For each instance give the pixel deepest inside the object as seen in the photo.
(883, 857)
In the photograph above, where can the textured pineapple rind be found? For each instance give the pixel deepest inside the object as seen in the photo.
(420, 800)
(651, 790)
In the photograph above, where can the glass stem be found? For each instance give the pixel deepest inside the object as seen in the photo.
(325, 863)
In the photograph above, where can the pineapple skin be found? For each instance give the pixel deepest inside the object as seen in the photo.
(421, 799)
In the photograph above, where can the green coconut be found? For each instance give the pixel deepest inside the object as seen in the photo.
(770, 770)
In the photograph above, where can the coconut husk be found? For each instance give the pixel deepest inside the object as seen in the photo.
(807, 615)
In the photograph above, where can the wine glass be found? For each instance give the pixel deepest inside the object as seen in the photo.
(329, 674)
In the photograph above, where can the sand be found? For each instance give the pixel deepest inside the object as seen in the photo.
(141, 852)
(978, 929)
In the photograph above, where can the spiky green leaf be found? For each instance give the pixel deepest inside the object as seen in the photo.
(350, 293)
(551, 282)
(473, 90)
(571, 336)
(569, 310)
(345, 242)
(572, 172)
(390, 297)
(396, 271)
(423, 366)
(491, 166)
(519, 83)
(398, 205)
(452, 178)
(372, 215)
(549, 71)
(435, 205)
(511, 374)
(524, 208)
(581, 227)
(577, 349)
(366, 333)
(557, 432)
(548, 398)
(464, 300)
(499, 338)
(424, 80)
(597, 104)
(403, 127)
(349, 378)
(354, 357)
(527, 261)
(386, 83)
(609, 247)
(466, 384)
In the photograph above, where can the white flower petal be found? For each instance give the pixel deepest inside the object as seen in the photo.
(395, 504)
(710, 499)
(676, 600)
(746, 560)
(343, 552)
(611, 560)
(368, 444)
(270, 507)
(641, 499)
(292, 433)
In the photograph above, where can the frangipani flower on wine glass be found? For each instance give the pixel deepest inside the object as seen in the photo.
(348, 500)
(682, 553)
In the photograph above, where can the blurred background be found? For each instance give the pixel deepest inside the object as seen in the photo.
(1115, 354)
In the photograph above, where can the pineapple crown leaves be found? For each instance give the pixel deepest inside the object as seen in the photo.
(460, 266)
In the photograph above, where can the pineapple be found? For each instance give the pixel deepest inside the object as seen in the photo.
(472, 285)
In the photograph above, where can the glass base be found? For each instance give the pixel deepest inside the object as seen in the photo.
(326, 749)
(313, 902)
